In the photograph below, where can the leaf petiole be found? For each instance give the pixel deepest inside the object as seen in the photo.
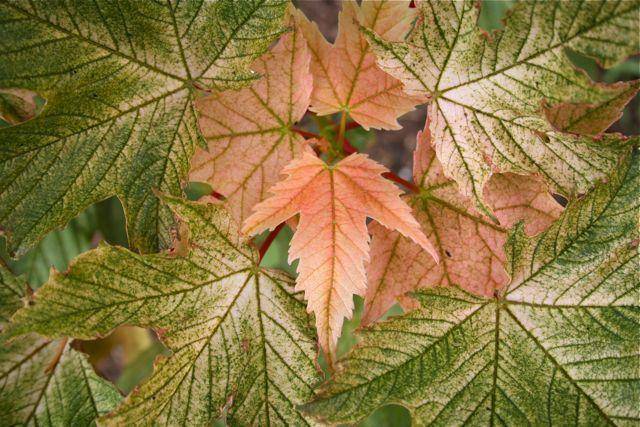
(395, 178)
(264, 247)
(342, 129)
(305, 133)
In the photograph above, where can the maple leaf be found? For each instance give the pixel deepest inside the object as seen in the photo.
(45, 382)
(119, 82)
(468, 243)
(488, 91)
(331, 239)
(249, 132)
(559, 346)
(346, 77)
(243, 345)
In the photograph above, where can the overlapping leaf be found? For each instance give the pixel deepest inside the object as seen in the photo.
(488, 92)
(560, 346)
(591, 119)
(468, 243)
(119, 82)
(249, 132)
(241, 340)
(346, 77)
(45, 382)
(331, 239)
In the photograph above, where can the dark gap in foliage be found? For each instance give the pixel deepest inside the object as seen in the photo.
(125, 356)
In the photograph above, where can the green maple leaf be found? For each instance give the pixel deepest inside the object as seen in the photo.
(241, 339)
(498, 101)
(45, 382)
(559, 346)
(119, 79)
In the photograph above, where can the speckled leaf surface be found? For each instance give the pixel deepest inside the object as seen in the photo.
(249, 132)
(469, 244)
(118, 78)
(331, 239)
(559, 346)
(243, 346)
(488, 91)
(346, 77)
(43, 382)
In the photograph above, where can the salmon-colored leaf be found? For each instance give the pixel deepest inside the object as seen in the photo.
(249, 132)
(331, 240)
(346, 77)
(470, 245)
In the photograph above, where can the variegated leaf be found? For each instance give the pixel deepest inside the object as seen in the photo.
(468, 243)
(242, 343)
(489, 91)
(559, 346)
(43, 382)
(119, 80)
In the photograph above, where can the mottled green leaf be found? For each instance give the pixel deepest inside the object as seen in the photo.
(119, 79)
(241, 339)
(43, 382)
(488, 91)
(11, 293)
(559, 347)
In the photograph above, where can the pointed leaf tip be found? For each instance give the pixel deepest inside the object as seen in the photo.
(332, 240)
(346, 77)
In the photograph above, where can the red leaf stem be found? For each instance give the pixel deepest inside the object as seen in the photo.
(217, 195)
(306, 134)
(347, 147)
(351, 125)
(395, 178)
(264, 247)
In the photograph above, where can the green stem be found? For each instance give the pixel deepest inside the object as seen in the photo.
(343, 127)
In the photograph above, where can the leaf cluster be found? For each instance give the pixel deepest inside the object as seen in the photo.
(516, 309)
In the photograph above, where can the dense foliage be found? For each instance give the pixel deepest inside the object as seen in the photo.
(501, 285)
